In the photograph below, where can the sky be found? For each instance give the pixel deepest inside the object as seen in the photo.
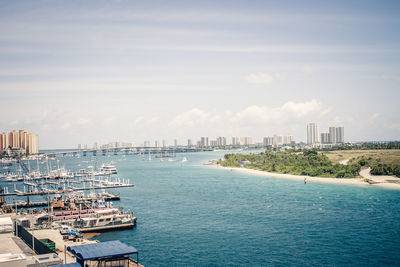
(79, 72)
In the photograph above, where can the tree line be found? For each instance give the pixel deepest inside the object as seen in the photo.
(308, 162)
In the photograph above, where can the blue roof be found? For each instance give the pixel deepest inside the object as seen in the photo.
(102, 250)
(75, 264)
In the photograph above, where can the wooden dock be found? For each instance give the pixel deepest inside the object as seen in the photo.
(62, 191)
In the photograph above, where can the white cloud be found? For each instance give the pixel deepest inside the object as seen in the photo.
(289, 111)
(252, 118)
(191, 118)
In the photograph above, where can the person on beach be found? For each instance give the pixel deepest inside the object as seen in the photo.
(305, 180)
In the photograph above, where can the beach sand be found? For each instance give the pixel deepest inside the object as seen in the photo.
(340, 181)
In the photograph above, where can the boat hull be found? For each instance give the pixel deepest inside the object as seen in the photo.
(107, 228)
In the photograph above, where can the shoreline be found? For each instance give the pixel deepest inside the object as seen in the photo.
(338, 181)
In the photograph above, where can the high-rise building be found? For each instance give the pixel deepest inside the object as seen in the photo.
(21, 139)
(268, 141)
(164, 143)
(213, 143)
(287, 139)
(339, 135)
(325, 138)
(332, 135)
(204, 141)
(312, 133)
(221, 141)
(33, 147)
(189, 142)
(235, 140)
(14, 139)
(3, 142)
(245, 140)
(175, 142)
(157, 143)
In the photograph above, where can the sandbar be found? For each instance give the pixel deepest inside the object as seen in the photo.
(340, 181)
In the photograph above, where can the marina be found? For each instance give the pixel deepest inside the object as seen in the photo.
(77, 199)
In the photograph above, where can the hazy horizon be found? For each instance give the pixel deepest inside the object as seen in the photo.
(79, 72)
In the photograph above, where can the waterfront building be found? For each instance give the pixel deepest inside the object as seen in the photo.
(277, 140)
(213, 143)
(312, 133)
(3, 142)
(245, 141)
(325, 138)
(339, 135)
(23, 140)
(175, 142)
(164, 143)
(235, 140)
(332, 135)
(221, 141)
(157, 143)
(14, 139)
(33, 144)
(268, 141)
(146, 143)
(204, 141)
(189, 142)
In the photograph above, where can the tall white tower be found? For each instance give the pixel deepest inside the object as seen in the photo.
(339, 134)
(312, 133)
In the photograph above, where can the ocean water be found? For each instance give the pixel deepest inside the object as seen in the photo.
(190, 214)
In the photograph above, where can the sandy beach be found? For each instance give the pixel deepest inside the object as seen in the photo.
(377, 180)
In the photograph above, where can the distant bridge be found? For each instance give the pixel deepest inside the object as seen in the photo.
(129, 150)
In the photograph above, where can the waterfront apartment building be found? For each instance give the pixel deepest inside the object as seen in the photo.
(175, 142)
(204, 141)
(312, 133)
(277, 140)
(22, 139)
(268, 141)
(164, 143)
(189, 142)
(235, 140)
(221, 141)
(247, 140)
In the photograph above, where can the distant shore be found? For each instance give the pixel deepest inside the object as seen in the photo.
(308, 179)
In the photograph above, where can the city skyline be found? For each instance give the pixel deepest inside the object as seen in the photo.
(82, 72)
(22, 140)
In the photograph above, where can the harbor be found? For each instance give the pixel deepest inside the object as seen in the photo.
(38, 195)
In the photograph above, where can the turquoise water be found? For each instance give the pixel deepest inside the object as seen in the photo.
(195, 215)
